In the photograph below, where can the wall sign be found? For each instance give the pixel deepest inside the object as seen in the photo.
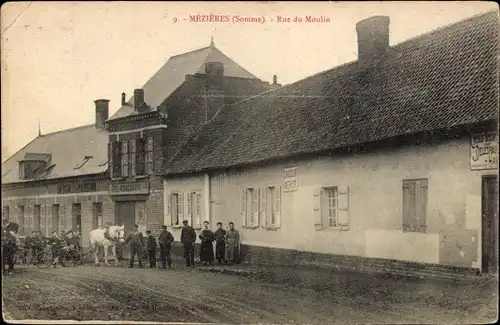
(76, 188)
(484, 151)
(129, 188)
(291, 179)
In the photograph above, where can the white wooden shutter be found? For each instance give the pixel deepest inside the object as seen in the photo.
(180, 197)
(243, 205)
(197, 211)
(263, 207)
(255, 203)
(189, 199)
(421, 206)
(343, 192)
(277, 202)
(168, 220)
(318, 222)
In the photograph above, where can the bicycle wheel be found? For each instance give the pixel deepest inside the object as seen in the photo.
(67, 259)
(44, 259)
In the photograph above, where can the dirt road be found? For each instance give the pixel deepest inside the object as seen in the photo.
(179, 295)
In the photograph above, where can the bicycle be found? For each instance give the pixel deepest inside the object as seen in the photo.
(66, 258)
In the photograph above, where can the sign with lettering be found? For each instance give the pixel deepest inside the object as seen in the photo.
(76, 187)
(484, 151)
(129, 188)
(291, 179)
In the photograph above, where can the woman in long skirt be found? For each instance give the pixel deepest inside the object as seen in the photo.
(207, 237)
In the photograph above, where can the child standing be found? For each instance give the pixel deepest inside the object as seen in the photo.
(151, 245)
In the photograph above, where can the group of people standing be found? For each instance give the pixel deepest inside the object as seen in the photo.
(227, 244)
(226, 248)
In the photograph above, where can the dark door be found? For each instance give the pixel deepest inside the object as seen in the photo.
(125, 214)
(490, 224)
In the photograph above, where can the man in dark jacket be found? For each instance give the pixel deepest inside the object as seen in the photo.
(188, 238)
(151, 249)
(166, 239)
(136, 240)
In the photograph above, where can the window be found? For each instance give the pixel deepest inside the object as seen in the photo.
(140, 156)
(55, 218)
(331, 208)
(36, 216)
(21, 170)
(273, 206)
(176, 208)
(124, 157)
(250, 207)
(97, 221)
(149, 155)
(22, 220)
(132, 158)
(414, 205)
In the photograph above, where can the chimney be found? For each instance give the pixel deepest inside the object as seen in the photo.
(215, 75)
(275, 80)
(101, 113)
(123, 99)
(373, 39)
(139, 104)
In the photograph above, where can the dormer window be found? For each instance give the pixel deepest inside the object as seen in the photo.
(84, 161)
(34, 165)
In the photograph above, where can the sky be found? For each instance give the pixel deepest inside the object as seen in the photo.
(58, 57)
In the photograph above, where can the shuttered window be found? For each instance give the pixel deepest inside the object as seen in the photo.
(252, 207)
(331, 208)
(271, 204)
(194, 206)
(415, 205)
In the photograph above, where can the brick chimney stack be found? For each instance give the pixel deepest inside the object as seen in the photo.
(373, 39)
(139, 104)
(123, 99)
(101, 113)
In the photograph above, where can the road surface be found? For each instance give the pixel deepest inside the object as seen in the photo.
(190, 295)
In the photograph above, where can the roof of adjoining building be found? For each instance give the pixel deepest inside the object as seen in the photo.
(67, 151)
(173, 74)
(442, 79)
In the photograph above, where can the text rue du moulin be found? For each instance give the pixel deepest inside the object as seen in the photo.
(213, 18)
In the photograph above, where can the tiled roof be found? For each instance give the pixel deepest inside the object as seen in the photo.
(173, 73)
(68, 150)
(438, 80)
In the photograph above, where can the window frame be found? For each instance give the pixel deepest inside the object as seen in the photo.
(324, 208)
(149, 160)
(270, 206)
(124, 158)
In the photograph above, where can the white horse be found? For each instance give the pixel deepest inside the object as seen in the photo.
(98, 239)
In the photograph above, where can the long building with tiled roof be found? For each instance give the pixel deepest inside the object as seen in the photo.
(385, 162)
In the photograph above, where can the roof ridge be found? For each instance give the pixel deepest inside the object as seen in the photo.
(191, 52)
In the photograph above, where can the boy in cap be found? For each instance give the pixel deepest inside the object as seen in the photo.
(151, 245)
(166, 239)
(188, 238)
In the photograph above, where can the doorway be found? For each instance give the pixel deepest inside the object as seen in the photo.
(76, 217)
(125, 214)
(489, 214)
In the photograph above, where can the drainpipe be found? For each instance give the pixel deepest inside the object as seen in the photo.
(165, 202)
(206, 196)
